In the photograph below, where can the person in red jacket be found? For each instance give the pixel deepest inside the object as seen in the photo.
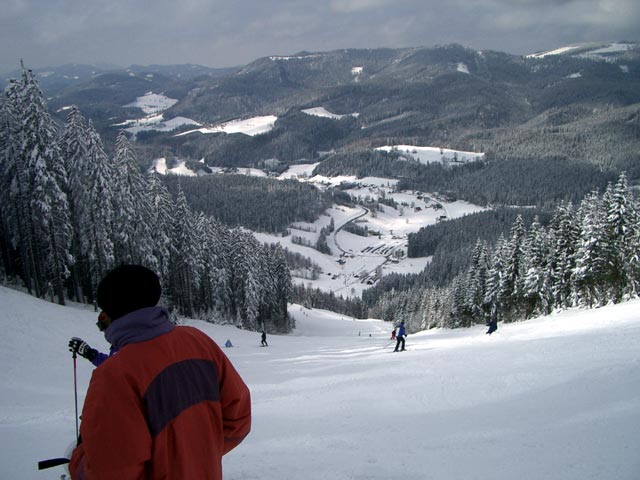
(167, 403)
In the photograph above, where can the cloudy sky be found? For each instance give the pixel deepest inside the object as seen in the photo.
(221, 33)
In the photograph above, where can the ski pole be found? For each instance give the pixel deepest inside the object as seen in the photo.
(75, 394)
(54, 462)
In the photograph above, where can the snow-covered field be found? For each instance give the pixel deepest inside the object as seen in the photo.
(323, 112)
(160, 166)
(155, 122)
(552, 398)
(153, 103)
(434, 154)
(249, 126)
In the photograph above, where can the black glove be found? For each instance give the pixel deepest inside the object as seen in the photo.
(82, 348)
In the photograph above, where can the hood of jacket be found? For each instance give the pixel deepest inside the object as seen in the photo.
(138, 326)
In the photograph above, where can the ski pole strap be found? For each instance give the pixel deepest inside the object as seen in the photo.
(52, 462)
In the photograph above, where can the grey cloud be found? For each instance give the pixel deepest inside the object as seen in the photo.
(223, 33)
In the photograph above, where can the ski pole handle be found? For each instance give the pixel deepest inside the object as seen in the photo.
(52, 462)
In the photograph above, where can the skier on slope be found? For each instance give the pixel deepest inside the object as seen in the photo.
(164, 390)
(263, 340)
(400, 338)
(493, 320)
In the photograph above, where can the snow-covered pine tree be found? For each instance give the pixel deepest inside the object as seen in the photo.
(132, 217)
(185, 255)
(16, 180)
(9, 209)
(160, 222)
(221, 244)
(589, 274)
(212, 274)
(564, 234)
(49, 209)
(459, 312)
(96, 235)
(510, 292)
(477, 276)
(621, 227)
(282, 288)
(74, 150)
(536, 283)
(494, 278)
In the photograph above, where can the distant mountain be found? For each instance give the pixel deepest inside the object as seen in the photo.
(102, 92)
(580, 102)
(55, 79)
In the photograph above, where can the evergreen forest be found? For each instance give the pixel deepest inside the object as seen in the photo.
(585, 256)
(70, 212)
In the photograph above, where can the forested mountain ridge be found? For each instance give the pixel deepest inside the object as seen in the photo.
(582, 104)
(446, 96)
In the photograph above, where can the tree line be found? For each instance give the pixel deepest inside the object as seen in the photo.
(587, 256)
(496, 180)
(260, 204)
(70, 212)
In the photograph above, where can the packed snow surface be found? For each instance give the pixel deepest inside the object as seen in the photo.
(556, 397)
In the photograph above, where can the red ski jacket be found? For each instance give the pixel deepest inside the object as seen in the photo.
(165, 408)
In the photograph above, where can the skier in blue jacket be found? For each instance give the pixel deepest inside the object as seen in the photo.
(400, 337)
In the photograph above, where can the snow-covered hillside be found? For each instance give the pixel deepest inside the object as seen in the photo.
(356, 262)
(434, 154)
(153, 104)
(551, 398)
(249, 126)
(323, 112)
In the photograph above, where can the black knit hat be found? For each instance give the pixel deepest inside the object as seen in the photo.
(128, 288)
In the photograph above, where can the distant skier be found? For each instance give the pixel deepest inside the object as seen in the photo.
(263, 340)
(493, 326)
(400, 338)
(393, 334)
(228, 343)
(493, 321)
